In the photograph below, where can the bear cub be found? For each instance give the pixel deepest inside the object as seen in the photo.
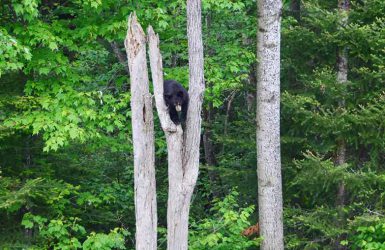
(176, 99)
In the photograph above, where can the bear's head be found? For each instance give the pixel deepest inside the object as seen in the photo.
(175, 99)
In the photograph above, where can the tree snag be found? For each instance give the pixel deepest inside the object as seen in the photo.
(182, 146)
(143, 138)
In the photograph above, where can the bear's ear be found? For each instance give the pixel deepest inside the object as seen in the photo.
(180, 94)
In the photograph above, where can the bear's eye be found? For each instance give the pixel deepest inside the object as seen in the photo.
(180, 94)
(167, 96)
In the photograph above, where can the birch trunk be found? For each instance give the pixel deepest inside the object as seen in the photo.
(143, 138)
(183, 146)
(342, 78)
(268, 125)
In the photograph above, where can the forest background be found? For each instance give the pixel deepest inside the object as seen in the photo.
(66, 163)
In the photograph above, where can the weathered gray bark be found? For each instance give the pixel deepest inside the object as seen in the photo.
(196, 88)
(268, 125)
(342, 60)
(143, 138)
(183, 146)
(177, 228)
(342, 78)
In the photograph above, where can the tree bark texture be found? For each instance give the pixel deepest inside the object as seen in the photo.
(196, 89)
(174, 138)
(342, 78)
(143, 138)
(268, 125)
(183, 146)
(342, 60)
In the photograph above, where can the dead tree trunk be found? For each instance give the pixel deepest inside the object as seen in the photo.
(193, 124)
(268, 125)
(183, 146)
(143, 138)
(174, 138)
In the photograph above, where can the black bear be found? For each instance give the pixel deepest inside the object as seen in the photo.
(176, 99)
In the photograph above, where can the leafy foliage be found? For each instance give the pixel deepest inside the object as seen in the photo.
(65, 134)
(370, 237)
(223, 230)
(64, 234)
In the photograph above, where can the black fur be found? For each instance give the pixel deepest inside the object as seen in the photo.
(174, 94)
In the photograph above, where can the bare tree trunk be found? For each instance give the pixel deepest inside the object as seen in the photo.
(342, 78)
(268, 125)
(143, 138)
(340, 160)
(183, 146)
(174, 138)
(193, 124)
